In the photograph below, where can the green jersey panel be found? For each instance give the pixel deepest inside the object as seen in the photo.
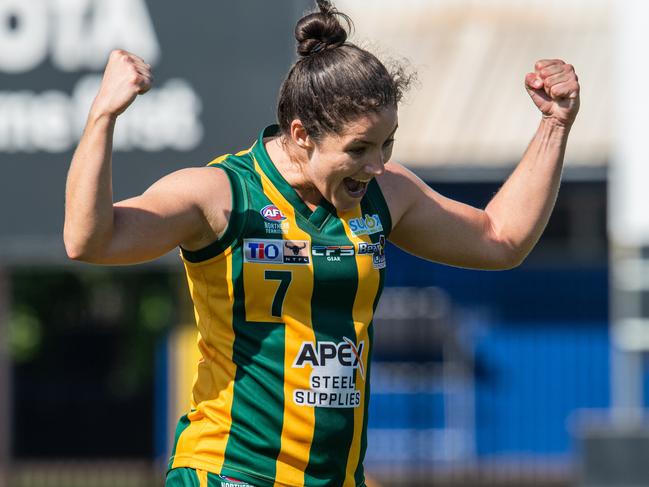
(284, 303)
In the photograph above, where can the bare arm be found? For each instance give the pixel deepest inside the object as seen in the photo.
(179, 209)
(89, 191)
(502, 235)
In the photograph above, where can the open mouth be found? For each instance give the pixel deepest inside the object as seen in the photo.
(355, 187)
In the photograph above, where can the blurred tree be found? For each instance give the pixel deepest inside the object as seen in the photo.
(83, 347)
(25, 334)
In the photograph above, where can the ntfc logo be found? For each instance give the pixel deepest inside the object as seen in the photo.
(296, 252)
(272, 214)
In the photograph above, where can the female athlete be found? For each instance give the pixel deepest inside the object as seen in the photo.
(283, 246)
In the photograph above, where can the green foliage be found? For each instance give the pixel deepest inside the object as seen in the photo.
(156, 311)
(25, 334)
(117, 314)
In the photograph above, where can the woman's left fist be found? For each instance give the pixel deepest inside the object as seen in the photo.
(554, 89)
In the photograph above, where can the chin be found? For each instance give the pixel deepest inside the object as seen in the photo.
(342, 201)
(345, 204)
(344, 208)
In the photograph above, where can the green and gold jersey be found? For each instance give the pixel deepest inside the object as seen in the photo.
(284, 303)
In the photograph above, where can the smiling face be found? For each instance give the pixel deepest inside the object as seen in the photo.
(340, 166)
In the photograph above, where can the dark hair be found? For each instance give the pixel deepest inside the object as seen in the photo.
(334, 81)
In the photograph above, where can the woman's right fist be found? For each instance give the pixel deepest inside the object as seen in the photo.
(126, 76)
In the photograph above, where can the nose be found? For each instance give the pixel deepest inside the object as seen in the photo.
(375, 167)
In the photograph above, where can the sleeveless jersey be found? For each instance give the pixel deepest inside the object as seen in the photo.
(284, 302)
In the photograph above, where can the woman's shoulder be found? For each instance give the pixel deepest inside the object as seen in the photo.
(398, 185)
(195, 180)
(206, 188)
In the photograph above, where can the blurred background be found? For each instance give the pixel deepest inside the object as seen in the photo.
(533, 376)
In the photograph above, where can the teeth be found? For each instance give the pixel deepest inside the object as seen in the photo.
(355, 186)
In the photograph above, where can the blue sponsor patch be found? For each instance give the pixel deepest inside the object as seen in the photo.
(366, 225)
(271, 251)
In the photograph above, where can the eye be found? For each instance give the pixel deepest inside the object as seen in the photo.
(356, 151)
(388, 143)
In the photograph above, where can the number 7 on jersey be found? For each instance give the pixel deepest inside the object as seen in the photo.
(284, 278)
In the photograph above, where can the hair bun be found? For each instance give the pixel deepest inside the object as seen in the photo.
(321, 30)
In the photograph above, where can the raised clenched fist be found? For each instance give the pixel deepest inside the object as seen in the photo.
(554, 88)
(126, 76)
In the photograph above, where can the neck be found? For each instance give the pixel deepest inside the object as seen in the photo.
(291, 161)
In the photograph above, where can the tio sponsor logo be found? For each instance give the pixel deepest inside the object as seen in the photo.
(272, 214)
(366, 226)
(276, 251)
(333, 376)
(333, 253)
(263, 251)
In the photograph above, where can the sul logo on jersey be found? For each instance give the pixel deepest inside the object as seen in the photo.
(367, 225)
(333, 377)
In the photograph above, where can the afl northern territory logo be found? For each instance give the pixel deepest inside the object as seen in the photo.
(272, 214)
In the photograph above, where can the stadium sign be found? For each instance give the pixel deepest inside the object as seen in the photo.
(75, 35)
(216, 85)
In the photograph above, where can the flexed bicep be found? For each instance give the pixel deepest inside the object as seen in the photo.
(434, 227)
(189, 207)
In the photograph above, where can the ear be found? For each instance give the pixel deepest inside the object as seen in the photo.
(300, 136)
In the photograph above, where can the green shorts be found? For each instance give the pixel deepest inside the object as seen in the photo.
(189, 477)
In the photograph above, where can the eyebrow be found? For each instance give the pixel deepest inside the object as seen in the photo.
(367, 142)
